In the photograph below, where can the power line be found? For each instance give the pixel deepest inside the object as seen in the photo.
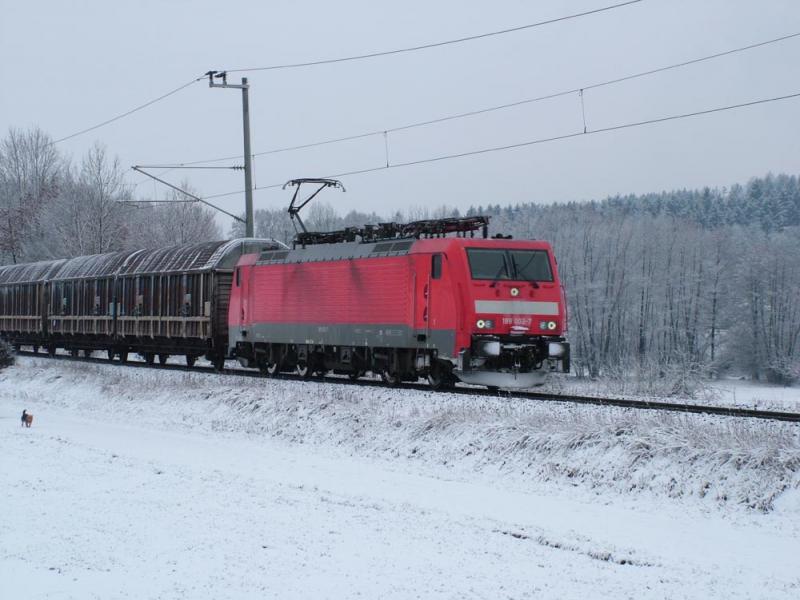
(470, 38)
(603, 129)
(539, 141)
(349, 58)
(509, 104)
(129, 112)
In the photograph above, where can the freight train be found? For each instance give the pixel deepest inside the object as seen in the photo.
(418, 300)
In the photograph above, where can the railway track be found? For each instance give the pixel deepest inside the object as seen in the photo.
(725, 411)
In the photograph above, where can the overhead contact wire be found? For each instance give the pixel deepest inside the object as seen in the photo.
(539, 141)
(460, 40)
(127, 113)
(509, 104)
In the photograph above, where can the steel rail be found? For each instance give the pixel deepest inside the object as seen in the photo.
(725, 411)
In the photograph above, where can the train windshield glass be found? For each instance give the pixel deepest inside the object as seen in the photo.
(526, 265)
(531, 265)
(488, 264)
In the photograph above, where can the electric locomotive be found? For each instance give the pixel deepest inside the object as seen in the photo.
(404, 301)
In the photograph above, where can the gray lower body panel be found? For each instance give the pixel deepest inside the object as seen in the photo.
(355, 335)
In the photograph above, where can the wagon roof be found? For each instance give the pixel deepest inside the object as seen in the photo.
(187, 257)
(29, 272)
(184, 257)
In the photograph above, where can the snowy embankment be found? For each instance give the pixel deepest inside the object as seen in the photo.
(747, 464)
(144, 483)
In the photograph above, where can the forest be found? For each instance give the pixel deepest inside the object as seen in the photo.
(668, 289)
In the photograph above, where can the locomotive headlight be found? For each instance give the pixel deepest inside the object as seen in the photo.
(481, 323)
(551, 325)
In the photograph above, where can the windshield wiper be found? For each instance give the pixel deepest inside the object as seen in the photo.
(518, 271)
(496, 277)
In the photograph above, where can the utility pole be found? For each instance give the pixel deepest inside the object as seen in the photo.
(248, 157)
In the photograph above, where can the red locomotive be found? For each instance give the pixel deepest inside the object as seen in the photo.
(404, 301)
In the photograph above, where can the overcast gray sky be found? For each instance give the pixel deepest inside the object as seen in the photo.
(68, 65)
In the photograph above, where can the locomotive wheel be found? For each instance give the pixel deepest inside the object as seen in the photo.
(149, 358)
(303, 370)
(163, 358)
(190, 360)
(392, 379)
(439, 380)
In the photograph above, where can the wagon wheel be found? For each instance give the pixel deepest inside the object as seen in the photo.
(163, 358)
(391, 379)
(219, 362)
(74, 353)
(355, 375)
(51, 350)
(149, 358)
(271, 369)
(123, 356)
(87, 354)
(110, 353)
(321, 372)
(190, 360)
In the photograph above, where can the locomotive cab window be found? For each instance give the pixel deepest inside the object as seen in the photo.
(488, 264)
(531, 265)
(518, 265)
(436, 266)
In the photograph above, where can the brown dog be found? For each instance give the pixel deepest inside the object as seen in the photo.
(27, 419)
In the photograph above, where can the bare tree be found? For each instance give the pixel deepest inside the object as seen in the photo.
(179, 220)
(102, 181)
(30, 170)
(322, 217)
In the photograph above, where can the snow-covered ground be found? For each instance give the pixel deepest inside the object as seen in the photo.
(139, 483)
(728, 391)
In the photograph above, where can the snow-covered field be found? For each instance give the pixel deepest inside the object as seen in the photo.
(139, 483)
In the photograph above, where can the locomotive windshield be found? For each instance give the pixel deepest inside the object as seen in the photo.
(527, 265)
